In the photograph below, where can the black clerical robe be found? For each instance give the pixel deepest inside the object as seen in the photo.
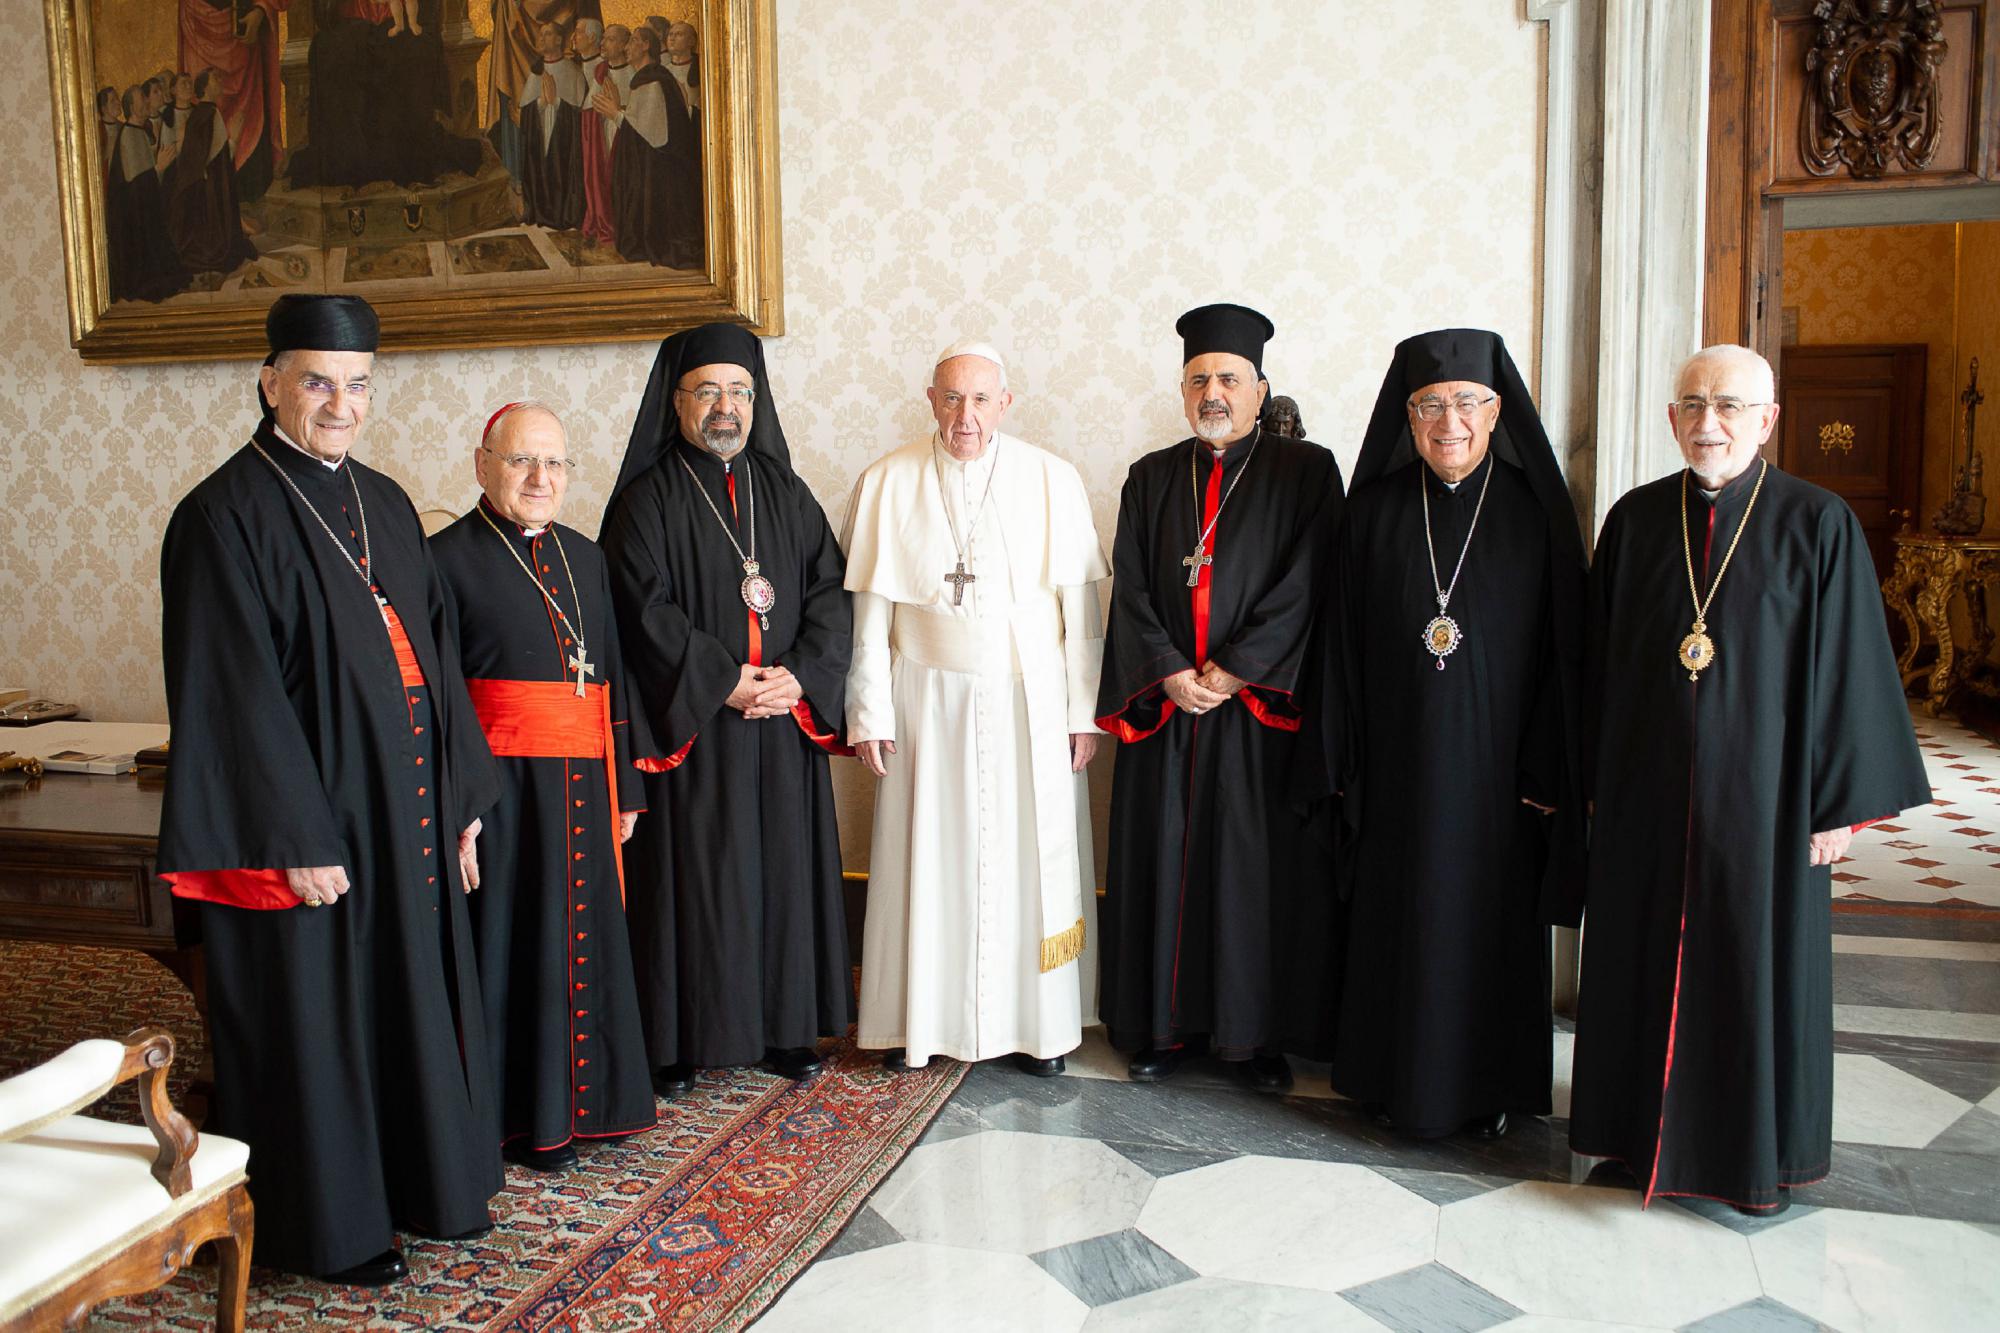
(738, 928)
(1217, 911)
(1704, 1051)
(1444, 1016)
(312, 728)
(656, 191)
(555, 961)
(552, 170)
(204, 216)
(140, 261)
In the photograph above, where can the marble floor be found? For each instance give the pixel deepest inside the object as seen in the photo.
(1089, 1202)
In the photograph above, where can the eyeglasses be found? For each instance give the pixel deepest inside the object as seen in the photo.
(558, 467)
(1728, 409)
(708, 395)
(321, 387)
(1431, 407)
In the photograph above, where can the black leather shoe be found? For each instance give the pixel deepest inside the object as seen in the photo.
(674, 1079)
(1156, 1063)
(896, 1060)
(380, 1271)
(543, 1159)
(1266, 1073)
(1488, 1126)
(797, 1063)
(1028, 1064)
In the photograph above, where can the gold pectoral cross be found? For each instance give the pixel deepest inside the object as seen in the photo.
(958, 578)
(580, 663)
(1196, 561)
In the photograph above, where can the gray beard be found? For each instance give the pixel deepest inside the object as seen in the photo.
(723, 444)
(1215, 430)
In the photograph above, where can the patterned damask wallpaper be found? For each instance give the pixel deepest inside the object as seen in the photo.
(1062, 178)
(1886, 285)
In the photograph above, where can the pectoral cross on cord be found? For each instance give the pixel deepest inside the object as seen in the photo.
(958, 579)
(579, 662)
(1195, 562)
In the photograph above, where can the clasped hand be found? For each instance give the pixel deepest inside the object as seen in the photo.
(765, 691)
(1198, 691)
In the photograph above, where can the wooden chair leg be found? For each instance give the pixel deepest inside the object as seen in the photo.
(233, 1265)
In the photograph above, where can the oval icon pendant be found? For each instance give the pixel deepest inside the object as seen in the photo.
(1697, 651)
(1441, 638)
(759, 594)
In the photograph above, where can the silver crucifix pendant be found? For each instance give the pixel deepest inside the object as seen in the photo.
(580, 663)
(1195, 562)
(958, 578)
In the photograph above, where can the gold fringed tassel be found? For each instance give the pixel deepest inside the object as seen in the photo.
(1059, 950)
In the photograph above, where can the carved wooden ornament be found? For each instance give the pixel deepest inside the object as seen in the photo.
(1871, 97)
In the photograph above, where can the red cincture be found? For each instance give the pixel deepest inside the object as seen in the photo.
(1211, 501)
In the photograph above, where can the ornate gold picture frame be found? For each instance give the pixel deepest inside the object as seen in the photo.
(485, 172)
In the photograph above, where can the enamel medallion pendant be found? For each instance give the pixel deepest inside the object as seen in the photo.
(1441, 638)
(1697, 651)
(758, 593)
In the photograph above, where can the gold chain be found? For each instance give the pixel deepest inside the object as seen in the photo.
(1701, 604)
(553, 604)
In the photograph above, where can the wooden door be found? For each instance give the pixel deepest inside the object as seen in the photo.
(1852, 420)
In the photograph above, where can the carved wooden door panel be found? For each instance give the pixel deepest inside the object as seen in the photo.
(1853, 422)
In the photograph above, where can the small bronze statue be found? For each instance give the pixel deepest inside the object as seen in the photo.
(1282, 418)
(1964, 514)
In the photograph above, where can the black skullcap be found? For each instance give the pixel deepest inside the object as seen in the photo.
(725, 344)
(1224, 328)
(1452, 354)
(321, 324)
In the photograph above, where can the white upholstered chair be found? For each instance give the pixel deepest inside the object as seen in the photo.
(91, 1209)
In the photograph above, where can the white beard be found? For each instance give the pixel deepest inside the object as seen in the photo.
(1215, 430)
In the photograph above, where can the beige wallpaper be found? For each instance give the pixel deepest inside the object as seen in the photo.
(1061, 178)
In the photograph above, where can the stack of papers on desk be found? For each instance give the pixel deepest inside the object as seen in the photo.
(86, 747)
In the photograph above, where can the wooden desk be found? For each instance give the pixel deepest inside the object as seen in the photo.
(1931, 572)
(76, 867)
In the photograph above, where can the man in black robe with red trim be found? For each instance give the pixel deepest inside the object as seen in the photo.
(539, 644)
(1215, 920)
(1458, 649)
(1748, 718)
(735, 626)
(327, 774)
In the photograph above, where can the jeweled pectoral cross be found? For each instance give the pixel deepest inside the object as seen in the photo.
(580, 663)
(958, 578)
(1195, 562)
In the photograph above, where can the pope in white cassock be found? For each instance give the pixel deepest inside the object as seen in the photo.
(974, 565)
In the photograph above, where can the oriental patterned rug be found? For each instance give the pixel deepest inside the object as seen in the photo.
(696, 1225)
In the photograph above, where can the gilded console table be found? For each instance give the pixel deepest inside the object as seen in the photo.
(1931, 572)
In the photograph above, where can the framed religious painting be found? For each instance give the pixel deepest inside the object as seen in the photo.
(485, 172)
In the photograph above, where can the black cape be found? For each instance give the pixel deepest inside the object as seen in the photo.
(555, 960)
(1444, 1015)
(1704, 1053)
(140, 261)
(204, 216)
(735, 903)
(656, 192)
(1217, 917)
(552, 179)
(350, 1049)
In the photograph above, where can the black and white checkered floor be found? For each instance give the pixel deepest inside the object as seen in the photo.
(1089, 1202)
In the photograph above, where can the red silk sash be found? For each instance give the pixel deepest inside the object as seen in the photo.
(544, 719)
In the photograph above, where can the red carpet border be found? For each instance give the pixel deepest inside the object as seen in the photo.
(696, 1225)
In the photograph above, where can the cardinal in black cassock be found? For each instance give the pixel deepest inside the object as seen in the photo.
(327, 775)
(1732, 760)
(1215, 916)
(1456, 663)
(539, 644)
(738, 931)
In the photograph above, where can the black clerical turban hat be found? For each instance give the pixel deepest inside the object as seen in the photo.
(656, 427)
(1224, 328)
(299, 322)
